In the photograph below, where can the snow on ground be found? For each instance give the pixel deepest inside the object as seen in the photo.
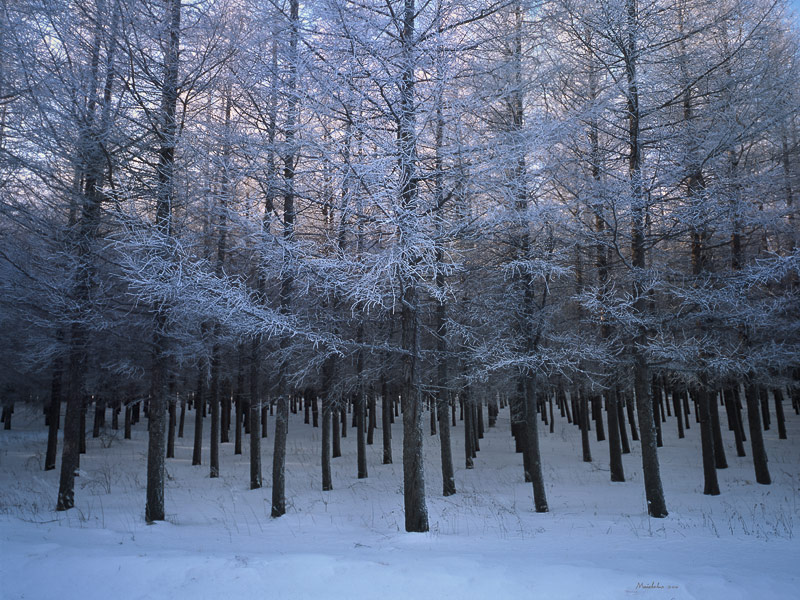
(485, 542)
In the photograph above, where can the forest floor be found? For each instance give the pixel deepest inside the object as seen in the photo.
(485, 542)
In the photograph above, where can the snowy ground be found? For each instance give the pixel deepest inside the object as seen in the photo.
(485, 542)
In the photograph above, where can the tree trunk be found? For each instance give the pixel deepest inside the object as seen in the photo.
(756, 435)
(532, 448)
(54, 416)
(614, 447)
(777, 394)
(279, 457)
(711, 485)
(327, 409)
(256, 415)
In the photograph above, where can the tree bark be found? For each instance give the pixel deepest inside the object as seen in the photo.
(756, 435)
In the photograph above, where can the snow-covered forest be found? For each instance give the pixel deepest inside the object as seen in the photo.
(425, 223)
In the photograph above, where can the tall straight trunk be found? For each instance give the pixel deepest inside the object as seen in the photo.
(734, 420)
(54, 411)
(287, 282)
(656, 505)
(199, 409)
(386, 423)
(677, 409)
(182, 419)
(764, 397)
(623, 433)
(336, 450)
(70, 454)
(327, 409)
(173, 421)
(128, 418)
(614, 447)
(279, 457)
(416, 512)
(720, 462)
(256, 411)
(239, 399)
(711, 485)
(756, 435)
(777, 395)
(156, 451)
(469, 451)
(597, 411)
(361, 442)
(583, 404)
(214, 406)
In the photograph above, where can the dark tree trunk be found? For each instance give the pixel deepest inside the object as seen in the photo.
(199, 409)
(469, 452)
(734, 422)
(156, 447)
(372, 419)
(583, 408)
(70, 455)
(182, 419)
(54, 416)
(257, 412)
(711, 485)
(677, 408)
(82, 440)
(614, 448)
(656, 505)
(173, 420)
(99, 417)
(128, 419)
(532, 448)
(361, 442)
(777, 394)
(386, 423)
(214, 391)
(337, 432)
(597, 410)
(720, 462)
(764, 397)
(448, 477)
(327, 409)
(631, 419)
(279, 458)
(623, 433)
(756, 436)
